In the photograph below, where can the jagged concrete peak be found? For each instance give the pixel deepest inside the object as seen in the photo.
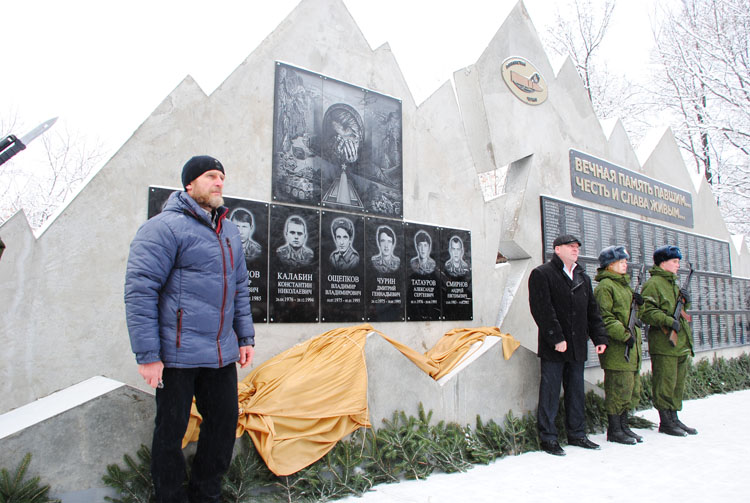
(443, 92)
(187, 88)
(740, 244)
(558, 61)
(665, 151)
(609, 125)
(698, 180)
(306, 16)
(567, 78)
(18, 222)
(517, 35)
(650, 141)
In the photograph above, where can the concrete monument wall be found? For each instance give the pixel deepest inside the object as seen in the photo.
(64, 288)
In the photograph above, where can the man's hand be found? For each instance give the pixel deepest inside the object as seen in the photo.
(561, 346)
(601, 348)
(246, 356)
(151, 372)
(638, 298)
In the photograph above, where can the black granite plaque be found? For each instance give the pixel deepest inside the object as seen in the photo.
(591, 237)
(384, 270)
(724, 328)
(157, 198)
(701, 261)
(336, 145)
(294, 264)
(725, 260)
(682, 245)
(737, 329)
(700, 322)
(647, 234)
(423, 291)
(455, 260)
(622, 235)
(659, 236)
(573, 221)
(635, 232)
(716, 334)
(703, 295)
(251, 219)
(553, 217)
(342, 267)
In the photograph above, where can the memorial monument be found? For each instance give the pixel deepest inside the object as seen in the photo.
(320, 134)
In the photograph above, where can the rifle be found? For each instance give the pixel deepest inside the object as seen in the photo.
(633, 320)
(679, 309)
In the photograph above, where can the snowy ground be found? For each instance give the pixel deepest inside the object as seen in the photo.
(709, 467)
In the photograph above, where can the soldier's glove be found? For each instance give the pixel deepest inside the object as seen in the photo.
(676, 325)
(630, 342)
(638, 299)
(685, 295)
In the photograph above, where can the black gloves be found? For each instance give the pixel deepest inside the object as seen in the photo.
(637, 298)
(676, 325)
(685, 295)
(630, 342)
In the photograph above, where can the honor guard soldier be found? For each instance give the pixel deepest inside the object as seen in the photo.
(670, 341)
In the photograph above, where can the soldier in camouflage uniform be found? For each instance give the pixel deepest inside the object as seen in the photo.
(622, 381)
(668, 362)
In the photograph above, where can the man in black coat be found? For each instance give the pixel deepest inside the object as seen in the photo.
(563, 306)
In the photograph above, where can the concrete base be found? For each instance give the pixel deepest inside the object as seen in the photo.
(71, 447)
(489, 387)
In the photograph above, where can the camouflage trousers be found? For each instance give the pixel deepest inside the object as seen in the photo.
(668, 383)
(622, 390)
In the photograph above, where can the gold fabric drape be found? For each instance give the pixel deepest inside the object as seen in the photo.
(298, 404)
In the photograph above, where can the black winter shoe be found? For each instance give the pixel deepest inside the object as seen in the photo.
(681, 425)
(666, 425)
(583, 442)
(626, 429)
(615, 433)
(552, 448)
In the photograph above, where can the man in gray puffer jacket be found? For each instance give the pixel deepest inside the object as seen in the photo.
(189, 318)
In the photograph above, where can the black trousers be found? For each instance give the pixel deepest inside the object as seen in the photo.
(215, 392)
(570, 375)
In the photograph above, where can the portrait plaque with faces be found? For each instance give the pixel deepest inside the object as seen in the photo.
(336, 145)
(251, 219)
(342, 267)
(423, 286)
(293, 264)
(455, 274)
(384, 270)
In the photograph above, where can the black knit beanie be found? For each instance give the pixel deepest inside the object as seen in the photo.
(198, 165)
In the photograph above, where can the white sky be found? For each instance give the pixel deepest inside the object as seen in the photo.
(103, 66)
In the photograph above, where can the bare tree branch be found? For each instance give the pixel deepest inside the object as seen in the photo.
(41, 187)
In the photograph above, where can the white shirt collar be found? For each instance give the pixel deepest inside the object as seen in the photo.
(569, 272)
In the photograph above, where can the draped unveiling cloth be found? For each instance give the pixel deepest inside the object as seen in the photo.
(298, 404)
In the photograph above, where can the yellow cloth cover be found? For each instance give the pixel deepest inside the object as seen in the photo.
(297, 405)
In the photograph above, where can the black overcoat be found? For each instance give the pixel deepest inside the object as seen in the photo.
(564, 310)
